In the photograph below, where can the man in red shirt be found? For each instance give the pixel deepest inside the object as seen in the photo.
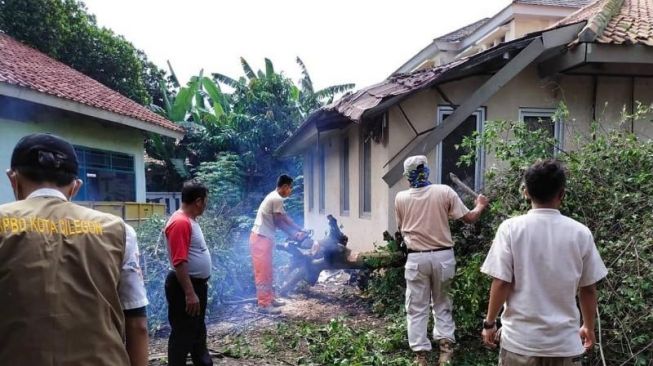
(186, 286)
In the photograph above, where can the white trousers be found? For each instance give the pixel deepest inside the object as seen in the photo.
(428, 279)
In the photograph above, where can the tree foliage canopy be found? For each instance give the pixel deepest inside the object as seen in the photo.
(64, 30)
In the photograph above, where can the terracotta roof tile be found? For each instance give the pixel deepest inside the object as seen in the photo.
(632, 24)
(26, 67)
(615, 22)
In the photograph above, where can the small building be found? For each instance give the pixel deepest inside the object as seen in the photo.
(108, 130)
(521, 64)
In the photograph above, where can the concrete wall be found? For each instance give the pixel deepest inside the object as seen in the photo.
(526, 90)
(78, 131)
(363, 229)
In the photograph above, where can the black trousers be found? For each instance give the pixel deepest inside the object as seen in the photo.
(188, 333)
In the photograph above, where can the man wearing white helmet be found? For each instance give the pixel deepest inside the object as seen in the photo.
(423, 213)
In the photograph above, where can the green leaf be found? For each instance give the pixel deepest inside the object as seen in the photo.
(214, 92)
(226, 80)
(249, 72)
(269, 68)
(173, 76)
(182, 104)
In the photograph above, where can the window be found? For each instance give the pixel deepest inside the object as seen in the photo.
(310, 172)
(322, 167)
(542, 119)
(344, 177)
(107, 176)
(366, 176)
(449, 153)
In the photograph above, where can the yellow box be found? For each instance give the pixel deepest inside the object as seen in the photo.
(143, 211)
(132, 211)
(114, 208)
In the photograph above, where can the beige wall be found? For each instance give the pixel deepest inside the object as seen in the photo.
(526, 90)
(363, 230)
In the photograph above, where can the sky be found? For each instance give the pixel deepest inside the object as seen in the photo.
(340, 41)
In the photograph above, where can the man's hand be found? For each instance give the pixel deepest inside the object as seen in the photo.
(588, 337)
(481, 201)
(489, 337)
(192, 304)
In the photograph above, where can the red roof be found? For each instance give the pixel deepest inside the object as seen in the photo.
(26, 67)
(616, 22)
(633, 24)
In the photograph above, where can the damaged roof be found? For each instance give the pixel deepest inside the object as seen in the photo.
(613, 21)
(25, 67)
(354, 105)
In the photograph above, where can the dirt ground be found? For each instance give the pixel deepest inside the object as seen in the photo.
(236, 333)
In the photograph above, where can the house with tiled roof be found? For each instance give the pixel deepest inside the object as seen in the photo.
(596, 58)
(108, 130)
(517, 19)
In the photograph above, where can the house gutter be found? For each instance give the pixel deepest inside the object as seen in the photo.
(71, 106)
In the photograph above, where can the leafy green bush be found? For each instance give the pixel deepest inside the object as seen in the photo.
(609, 189)
(340, 343)
(231, 274)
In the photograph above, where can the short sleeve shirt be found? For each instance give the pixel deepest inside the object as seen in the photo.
(186, 243)
(264, 223)
(547, 257)
(131, 289)
(423, 215)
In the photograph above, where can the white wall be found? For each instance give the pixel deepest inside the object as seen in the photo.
(89, 133)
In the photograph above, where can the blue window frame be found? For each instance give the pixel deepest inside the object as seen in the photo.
(107, 175)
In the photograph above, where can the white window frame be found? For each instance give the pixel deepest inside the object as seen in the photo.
(344, 185)
(558, 126)
(311, 181)
(361, 189)
(480, 151)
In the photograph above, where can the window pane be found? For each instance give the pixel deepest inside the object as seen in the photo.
(534, 123)
(545, 123)
(122, 162)
(310, 182)
(322, 179)
(451, 155)
(107, 176)
(367, 175)
(344, 184)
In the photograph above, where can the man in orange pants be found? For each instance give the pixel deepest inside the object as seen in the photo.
(271, 216)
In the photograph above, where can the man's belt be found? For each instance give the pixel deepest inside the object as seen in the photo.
(429, 251)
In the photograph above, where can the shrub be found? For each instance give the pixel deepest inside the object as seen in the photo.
(609, 189)
(231, 274)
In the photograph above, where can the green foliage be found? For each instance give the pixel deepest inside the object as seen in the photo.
(65, 30)
(610, 182)
(224, 179)
(341, 343)
(470, 294)
(155, 264)
(231, 274)
(608, 189)
(309, 99)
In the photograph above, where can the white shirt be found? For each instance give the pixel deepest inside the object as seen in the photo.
(131, 288)
(264, 223)
(547, 257)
